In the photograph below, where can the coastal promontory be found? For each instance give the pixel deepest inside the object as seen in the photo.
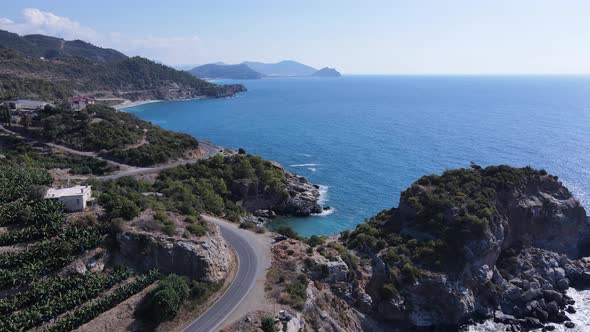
(497, 244)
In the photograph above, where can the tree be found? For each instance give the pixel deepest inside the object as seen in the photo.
(163, 303)
(5, 116)
(245, 169)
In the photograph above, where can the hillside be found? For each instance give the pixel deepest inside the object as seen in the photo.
(283, 68)
(53, 48)
(78, 73)
(212, 71)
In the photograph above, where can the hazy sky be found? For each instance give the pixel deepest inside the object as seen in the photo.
(357, 37)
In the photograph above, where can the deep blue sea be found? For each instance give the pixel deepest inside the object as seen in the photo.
(367, 138)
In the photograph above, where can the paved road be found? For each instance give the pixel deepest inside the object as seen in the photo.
(243, 283)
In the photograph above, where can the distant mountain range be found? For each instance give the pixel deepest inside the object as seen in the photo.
(212, 70)
(255, 70)
(49, 68)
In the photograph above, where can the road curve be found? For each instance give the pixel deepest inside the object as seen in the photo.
(242, 284)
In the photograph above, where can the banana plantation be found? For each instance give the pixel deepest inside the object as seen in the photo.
(38, 247)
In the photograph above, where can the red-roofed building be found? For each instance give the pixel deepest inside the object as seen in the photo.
(80, 102)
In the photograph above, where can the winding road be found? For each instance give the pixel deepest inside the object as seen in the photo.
(246, 247)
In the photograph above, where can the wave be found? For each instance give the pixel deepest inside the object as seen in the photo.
(313, 169)
(325, 212)
(303, 154)
(323, 190)
(304, 165)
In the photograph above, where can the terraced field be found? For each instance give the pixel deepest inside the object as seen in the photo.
(41, 252)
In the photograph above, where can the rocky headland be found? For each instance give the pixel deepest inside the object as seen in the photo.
(299, 197)
(498, 243)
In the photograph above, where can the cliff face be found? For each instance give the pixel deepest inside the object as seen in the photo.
(207, 258)
(513, 263)
(170, 90)
(300, 199)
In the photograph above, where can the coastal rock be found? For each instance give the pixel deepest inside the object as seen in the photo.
(523, 262)
(207, 259)
(300, 199)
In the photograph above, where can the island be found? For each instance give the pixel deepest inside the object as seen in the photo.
(326, 72)
(257, 70)
(223, 71)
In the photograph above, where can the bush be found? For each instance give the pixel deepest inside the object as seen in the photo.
(288, 232)
(197, 229)
(163, 303)
(314, 240)
(268, 324)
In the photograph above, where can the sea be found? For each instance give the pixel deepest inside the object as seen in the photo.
(365, 139)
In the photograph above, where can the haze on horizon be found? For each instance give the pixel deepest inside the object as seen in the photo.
(379, 37)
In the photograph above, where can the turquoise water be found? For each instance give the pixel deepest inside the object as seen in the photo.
(367, 138)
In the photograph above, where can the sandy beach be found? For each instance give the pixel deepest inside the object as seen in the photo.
(129, 103)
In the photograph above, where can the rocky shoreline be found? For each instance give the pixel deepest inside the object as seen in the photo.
(300, 198)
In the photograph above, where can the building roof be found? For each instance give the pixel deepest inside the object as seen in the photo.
(66, 192)
(27, 103)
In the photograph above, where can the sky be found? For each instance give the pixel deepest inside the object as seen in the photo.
(355, 37)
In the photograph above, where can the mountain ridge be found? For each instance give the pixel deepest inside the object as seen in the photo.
(80, 68)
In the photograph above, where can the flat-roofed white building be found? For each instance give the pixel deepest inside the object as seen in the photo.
(73, 198)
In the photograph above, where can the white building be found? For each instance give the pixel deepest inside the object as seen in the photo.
(73, 198)
(29, 105)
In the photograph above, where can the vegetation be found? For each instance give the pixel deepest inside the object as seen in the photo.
(90, 310)
(62, 78)
(163, 303)
(119, 135)
(268, 324)
(448, 211)
(36, 292)
(39, 156)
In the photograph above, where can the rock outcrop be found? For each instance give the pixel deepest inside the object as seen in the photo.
(207, 258)
(512, 260)
(299, 199)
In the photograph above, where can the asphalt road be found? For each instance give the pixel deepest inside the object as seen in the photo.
(243, 282)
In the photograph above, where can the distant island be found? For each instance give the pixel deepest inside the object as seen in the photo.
(256, 70)
(214, 70)
(326, 72)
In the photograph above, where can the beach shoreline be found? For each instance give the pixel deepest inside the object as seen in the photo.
(129, 103)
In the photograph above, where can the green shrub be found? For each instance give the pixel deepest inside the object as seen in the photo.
(163, 303)
(288, 232)
(268, 324)
(197, 229)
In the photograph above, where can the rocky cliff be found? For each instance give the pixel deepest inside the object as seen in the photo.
(495, 242)
(299, 199)
(207, 258)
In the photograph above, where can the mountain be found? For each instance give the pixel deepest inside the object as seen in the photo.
(54, 48)
(212, 70)
(283, 68)
(326, 72)
(81, 68)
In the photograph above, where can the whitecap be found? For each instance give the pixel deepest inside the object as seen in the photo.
(313, 169)
(325, 212)
(303, 154)
(323, 190)
(304, 165)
